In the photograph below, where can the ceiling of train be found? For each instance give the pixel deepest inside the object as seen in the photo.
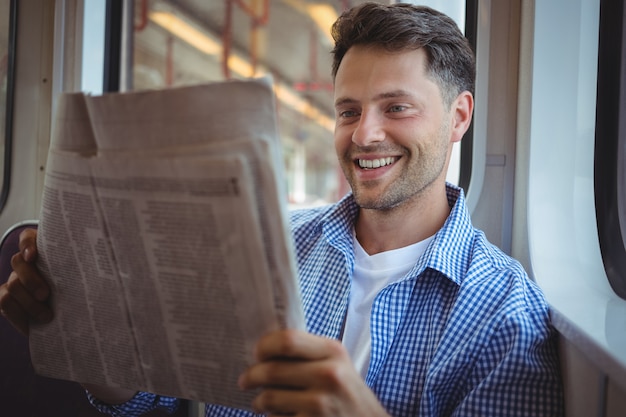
(285, 36)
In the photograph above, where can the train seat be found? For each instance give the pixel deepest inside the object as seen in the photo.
(23, 393)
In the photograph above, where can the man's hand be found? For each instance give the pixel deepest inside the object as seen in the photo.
(23, 297)
(305, 375)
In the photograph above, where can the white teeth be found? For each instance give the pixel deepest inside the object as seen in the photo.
(376, 163)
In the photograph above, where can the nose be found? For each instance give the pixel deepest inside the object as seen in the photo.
(369, 129)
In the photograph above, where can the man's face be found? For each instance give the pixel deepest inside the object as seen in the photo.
(392, 132)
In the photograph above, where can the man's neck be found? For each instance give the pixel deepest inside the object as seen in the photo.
(411, 222)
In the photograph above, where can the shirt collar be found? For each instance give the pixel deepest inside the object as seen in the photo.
(456, 233)
(450, 251)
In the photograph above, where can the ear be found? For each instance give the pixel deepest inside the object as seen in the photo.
(461, 113)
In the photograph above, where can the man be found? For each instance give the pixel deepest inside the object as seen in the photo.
(410, 311)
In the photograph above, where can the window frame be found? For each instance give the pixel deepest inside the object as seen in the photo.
(113, 36)
(10, 99)
(610, 132)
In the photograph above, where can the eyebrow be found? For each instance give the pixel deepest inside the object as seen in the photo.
(382, 96)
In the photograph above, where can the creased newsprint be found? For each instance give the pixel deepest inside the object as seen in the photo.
(165, 244)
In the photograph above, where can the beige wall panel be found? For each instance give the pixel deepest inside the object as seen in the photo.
(615, 401)
(582, 382)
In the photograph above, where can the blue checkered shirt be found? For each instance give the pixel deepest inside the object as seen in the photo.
(465, 333)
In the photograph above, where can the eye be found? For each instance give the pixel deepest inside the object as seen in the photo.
(348, 113)
(396, 108)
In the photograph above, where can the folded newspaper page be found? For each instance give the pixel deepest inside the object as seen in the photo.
(163, 235)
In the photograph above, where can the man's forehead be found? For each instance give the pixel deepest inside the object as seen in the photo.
(365, 56)
(377, 73)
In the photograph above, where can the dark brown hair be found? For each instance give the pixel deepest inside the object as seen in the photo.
(399, 27)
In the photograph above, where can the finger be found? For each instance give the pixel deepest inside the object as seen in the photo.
(287, 374)
(12, 311)
(30, 278)
(296, 344)
(294, 402)
(325, 375)
(28, 244)
(278, 402)
(30, 307)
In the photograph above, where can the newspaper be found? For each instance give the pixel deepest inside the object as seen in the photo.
(164, 238)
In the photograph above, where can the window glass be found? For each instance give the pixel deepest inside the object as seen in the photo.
(5, 59)
(563, 238)
(187, 42)
(456, 10)
(93, 46)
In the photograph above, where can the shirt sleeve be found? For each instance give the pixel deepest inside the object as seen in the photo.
(141, 403)
(517, 373)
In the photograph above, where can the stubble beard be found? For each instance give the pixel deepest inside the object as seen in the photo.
(408, 187)
(418, 174)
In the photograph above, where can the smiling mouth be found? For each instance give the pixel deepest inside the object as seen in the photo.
(376, 163)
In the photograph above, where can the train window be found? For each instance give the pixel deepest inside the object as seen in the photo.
(456, 10)
(186, 42)
(8, 18)
(610, 143)
(93, 46)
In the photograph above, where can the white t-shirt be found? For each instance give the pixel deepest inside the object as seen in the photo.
(371, 275)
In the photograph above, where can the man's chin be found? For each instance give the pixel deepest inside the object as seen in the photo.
(369, 202)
